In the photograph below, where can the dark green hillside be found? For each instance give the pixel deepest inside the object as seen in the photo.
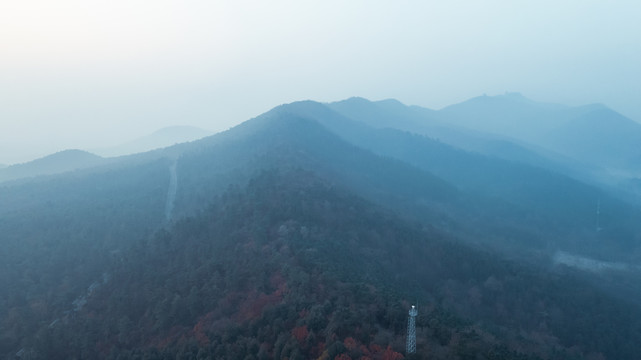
(505, 203)
(292, 267)
(304, 234)
(59, 233)
(284, 139)
(58, 236)
(564, 209)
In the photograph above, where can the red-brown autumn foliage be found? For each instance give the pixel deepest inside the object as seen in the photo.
(390, 354)
(300, 333)
(350, 343)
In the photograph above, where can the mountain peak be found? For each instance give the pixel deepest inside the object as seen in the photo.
(508, 97)
(60, 162)
(514, 95)
(302, 104)
(391, 104)
(68, 155)
(305, 109)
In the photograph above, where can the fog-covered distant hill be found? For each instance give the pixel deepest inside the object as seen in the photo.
(430, 123)
(510, 115)
(306, 232)
(162, 138)
(57, 163)
(601, 136)
(590, 142)
(591, 134)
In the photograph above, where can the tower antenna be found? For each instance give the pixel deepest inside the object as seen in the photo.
(411, 331)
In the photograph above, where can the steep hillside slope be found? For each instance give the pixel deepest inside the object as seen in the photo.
(293, 267)
(517, 204)
(276, 238)
(61, 232)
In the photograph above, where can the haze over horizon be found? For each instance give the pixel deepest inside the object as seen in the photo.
(87, 75)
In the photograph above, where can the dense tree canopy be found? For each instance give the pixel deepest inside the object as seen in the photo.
(287, 241)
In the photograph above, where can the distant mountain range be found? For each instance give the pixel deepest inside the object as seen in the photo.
(603, 137)
(586, 141)
(308, 231)
(60, 162)
(70, 160)
(162, 138)
(511, 125)
(591, 134)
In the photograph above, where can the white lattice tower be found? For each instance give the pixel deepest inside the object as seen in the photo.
(411, 331)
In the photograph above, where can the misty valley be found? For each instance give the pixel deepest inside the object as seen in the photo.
(310, 231)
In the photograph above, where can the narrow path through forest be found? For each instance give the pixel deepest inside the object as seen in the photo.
(171, 191)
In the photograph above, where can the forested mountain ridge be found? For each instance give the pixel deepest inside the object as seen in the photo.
(590, 141)
(506, 191)
(292, 267)
(593, 134)
(191, 249)
(83, 221)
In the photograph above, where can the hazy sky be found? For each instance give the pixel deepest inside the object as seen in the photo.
(91, 73)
